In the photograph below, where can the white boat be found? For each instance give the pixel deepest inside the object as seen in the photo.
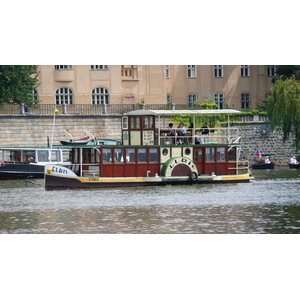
(24, 162)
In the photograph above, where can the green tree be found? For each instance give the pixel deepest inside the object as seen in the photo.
(17, 84)
(283, 107)
(285, 71)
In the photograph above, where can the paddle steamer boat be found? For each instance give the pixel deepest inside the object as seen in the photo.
(148, 156)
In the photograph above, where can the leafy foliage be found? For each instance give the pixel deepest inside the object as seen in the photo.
(17, 84)
(283, 107)
(285, 72)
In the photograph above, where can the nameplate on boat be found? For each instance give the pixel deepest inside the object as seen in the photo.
(59, 170)
(172, 163)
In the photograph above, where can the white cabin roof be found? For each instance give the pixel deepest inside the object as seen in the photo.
(165, 112)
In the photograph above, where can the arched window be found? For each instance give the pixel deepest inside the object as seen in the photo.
(100, 95)
(64, 96)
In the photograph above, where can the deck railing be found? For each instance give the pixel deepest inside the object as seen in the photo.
(195, 136)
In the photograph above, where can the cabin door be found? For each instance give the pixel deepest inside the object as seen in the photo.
(135, 138)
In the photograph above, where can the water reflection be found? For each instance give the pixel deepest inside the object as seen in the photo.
(269, 204)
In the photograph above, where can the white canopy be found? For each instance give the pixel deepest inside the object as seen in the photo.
(165, 112)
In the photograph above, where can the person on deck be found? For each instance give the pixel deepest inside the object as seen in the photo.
(181, 130)
(171, 130)
(205, 129)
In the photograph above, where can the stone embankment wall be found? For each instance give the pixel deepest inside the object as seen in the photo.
(259, 136)
(36, 130)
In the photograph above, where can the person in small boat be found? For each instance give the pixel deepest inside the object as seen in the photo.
(171, 130)
(293, 160)
(267, 160)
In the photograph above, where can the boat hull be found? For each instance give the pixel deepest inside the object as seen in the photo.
(62, 182)
(294, 166)
(258, 166)
(21, 171)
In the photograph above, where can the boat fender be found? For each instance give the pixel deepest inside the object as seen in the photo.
(194, 176)
(2, 163)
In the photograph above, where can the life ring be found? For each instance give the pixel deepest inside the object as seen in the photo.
(194, 176)
(2, 163)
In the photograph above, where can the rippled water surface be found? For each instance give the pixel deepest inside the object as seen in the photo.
(269, 204)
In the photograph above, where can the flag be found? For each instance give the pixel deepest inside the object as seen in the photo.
(258, 153)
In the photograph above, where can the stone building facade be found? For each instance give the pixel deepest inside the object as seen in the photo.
(234, 86)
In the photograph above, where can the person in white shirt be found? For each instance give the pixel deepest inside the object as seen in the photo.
(293, 160)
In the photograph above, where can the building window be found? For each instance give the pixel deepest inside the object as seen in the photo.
(35, 96)
(100, 96)
(99, 67)
(271, 70)
(192, 98)
(219, 100)
(218, 70)
(192, 71)
(245, 71)
(167, 71)
(169, 99)
(63, 67)
(64, 96)
(245, 101)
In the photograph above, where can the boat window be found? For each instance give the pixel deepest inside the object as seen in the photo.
(142, 157)
(130, 154)
(231, 154)
(76, 156)
(221, 154)
(43, 155)
(153, 154)
(97, 155)
(124, 122)
(119, 155)
(210, 154)
(13, 156)
(85, 155)
(55, 155)
(135, 122)
(106, 155)
(148, 122)
(198, 155)
(29, 156)
(66, 155)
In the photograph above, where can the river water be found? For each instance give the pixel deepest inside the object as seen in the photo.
(268, 204)
(174, 242)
